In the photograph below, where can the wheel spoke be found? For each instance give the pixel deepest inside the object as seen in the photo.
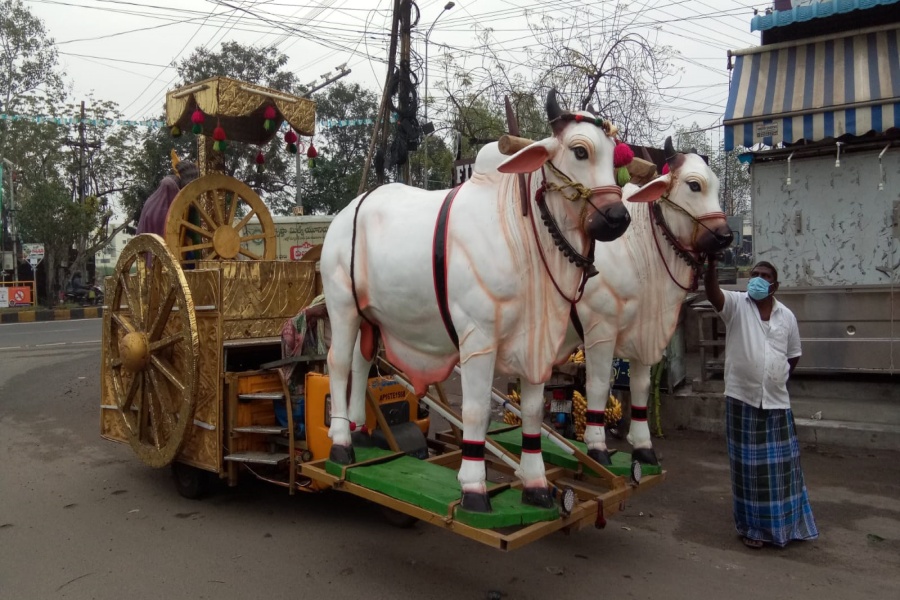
(165, 342)
(162, 317)
(188, 225)
(245, 220)
(164, 409)
(218, 197)
(144, 293)
(249, 254)
(204, 246)
(204, 215)
(123, 322)
(166, 369)
(255, 236)
(154, 422)
(129, 298)
(132, 392)
(232, 209)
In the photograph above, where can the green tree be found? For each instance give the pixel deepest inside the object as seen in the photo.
(28, 59)
(48, 214)
(334, 181)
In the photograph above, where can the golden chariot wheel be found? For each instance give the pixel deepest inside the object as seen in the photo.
(207, 221)
(152, 349)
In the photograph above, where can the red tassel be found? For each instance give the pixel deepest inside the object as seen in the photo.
(311, 152)
(260, 158)
(269, 113)
(290, 137)
(622, 155)
(219, 134)
(198, 117)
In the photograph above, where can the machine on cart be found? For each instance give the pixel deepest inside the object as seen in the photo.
(195, 373)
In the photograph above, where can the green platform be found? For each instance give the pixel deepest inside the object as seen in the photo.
(435, 487)
(554, 455)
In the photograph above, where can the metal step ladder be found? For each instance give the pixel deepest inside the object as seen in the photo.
(272, 458)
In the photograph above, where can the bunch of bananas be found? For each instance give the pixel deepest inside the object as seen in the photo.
(579, 412)
(508, 417)
(577, 357)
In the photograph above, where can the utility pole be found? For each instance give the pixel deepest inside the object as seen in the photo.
(82, 144)
(405, 64)
(13, 225)
(447, 7)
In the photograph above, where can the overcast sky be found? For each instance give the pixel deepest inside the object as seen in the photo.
(123, 50)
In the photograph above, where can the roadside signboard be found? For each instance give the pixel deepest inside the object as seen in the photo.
(4, 297)
(34, 254)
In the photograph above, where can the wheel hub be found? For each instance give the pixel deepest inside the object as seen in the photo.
(134, 351)
(227, 242)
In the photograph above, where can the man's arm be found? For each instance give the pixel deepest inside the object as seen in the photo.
(792, 364)
(711, 285)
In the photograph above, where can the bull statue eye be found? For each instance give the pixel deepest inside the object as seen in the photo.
(580, 153)
(695, 187)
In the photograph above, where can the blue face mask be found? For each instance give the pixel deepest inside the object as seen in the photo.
(757, 288)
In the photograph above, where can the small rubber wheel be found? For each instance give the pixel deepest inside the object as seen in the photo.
(397, 518)
(192, 483)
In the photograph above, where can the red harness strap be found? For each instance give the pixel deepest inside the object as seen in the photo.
(439, 264)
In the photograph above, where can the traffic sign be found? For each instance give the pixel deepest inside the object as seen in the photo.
(34, 254)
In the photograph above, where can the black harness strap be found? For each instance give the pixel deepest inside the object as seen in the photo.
(353, 260)
(439, 264)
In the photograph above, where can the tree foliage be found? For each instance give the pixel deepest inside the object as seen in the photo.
(334, 181)
(591, 58)
(734, 177)
(28, 59)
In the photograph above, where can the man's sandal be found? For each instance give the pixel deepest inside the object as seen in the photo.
(751, 543)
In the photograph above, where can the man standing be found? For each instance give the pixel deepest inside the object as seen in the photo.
(762, 347)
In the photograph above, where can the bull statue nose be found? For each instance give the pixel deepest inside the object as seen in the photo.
(715, 240)
(607, 224)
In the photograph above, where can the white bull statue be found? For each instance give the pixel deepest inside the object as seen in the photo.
(631, 308)
(485, 285)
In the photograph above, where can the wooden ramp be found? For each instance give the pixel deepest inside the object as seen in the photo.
(428, 490)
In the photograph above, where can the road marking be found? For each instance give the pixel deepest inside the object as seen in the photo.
(25, 347)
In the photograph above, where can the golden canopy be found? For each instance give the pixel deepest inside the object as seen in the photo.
(239, 109)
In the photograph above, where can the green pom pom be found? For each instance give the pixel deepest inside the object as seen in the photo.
(622, 176)
(292, 148)
(311, 163)
(197, 128)
(176, 131)
(267, 125)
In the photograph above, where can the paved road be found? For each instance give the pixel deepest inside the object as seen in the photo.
(81, 518)
(50, 333)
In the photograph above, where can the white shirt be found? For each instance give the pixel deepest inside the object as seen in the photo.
(757, 352)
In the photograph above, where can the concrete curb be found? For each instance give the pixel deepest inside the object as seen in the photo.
(59, 314)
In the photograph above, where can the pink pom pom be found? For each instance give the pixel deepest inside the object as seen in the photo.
(665, 168)
(622, 155)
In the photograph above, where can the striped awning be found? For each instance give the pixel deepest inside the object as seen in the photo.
(824, 89)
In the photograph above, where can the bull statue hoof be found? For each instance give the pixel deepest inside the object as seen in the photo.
(342, 455)
(474, 502)
(645, 456)
(601, 456)
(537, 496)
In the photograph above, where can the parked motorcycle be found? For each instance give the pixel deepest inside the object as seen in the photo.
(86, 296)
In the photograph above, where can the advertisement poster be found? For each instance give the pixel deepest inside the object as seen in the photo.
(4, 297)
(294, 235)
(15, 296)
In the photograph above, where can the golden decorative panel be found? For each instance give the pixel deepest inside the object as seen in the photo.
(239, 108)
(259, 296)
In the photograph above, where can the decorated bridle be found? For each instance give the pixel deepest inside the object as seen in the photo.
(688, 254)
(574, 191)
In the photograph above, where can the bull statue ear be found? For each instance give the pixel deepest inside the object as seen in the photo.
(175, 161)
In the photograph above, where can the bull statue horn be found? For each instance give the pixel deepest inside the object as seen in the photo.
(175, 160)
(669, 150)
(553, 110)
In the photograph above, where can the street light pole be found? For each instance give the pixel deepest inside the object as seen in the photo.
(447, 7)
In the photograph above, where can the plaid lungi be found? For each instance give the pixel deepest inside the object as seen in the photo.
(770, 500)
